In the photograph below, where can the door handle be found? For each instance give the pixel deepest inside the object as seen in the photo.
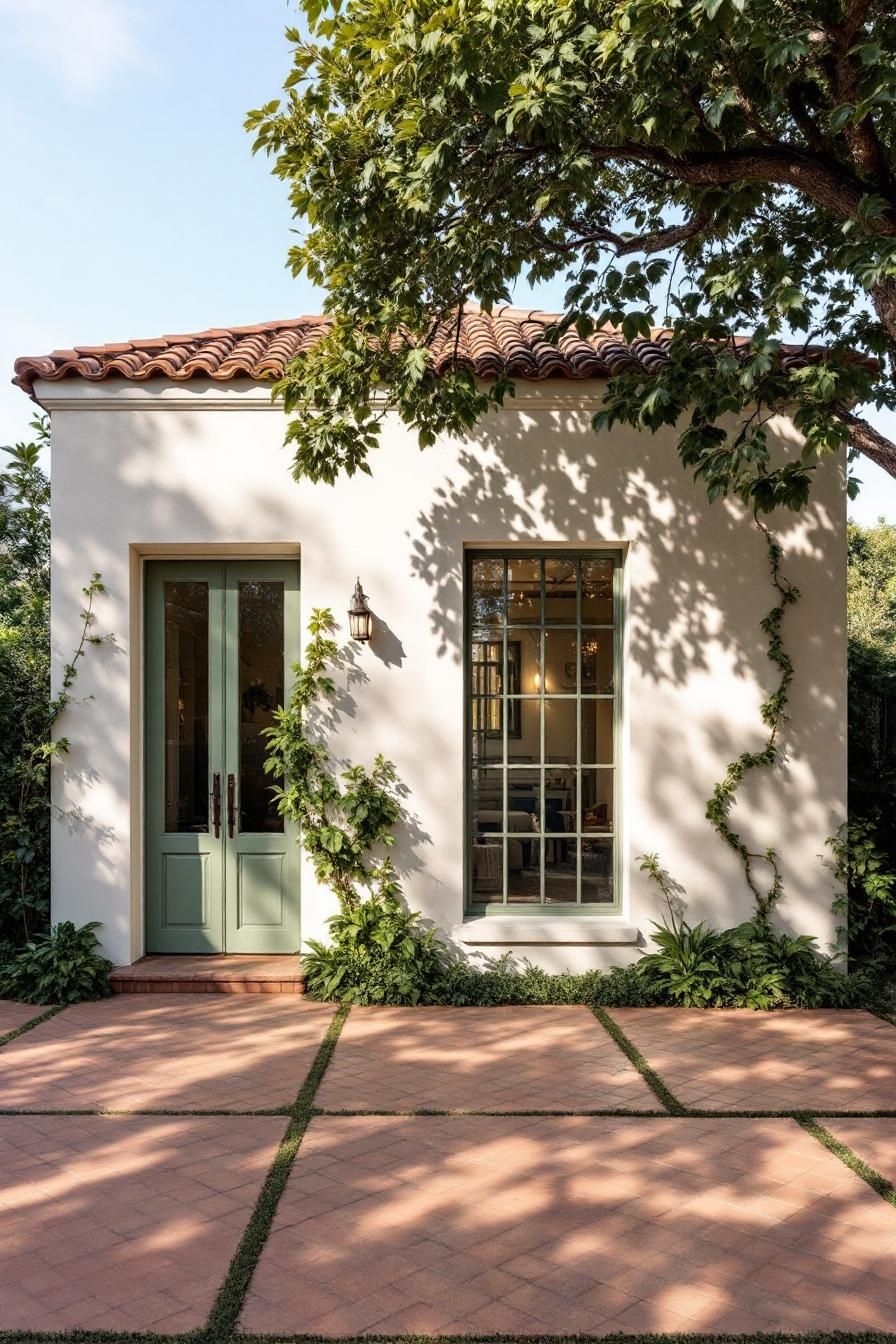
(231, 804)
(216, 804)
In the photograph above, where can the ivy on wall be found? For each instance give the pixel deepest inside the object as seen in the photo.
(773, 713)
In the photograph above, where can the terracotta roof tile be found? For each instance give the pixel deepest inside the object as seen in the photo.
(508, 341)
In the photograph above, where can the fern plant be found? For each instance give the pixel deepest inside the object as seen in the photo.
(58, 967)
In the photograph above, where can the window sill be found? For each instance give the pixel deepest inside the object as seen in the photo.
(507, 930)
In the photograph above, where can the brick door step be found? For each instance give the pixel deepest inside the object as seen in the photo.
(210, 975)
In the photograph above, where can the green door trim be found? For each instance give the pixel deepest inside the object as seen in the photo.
(224, 885)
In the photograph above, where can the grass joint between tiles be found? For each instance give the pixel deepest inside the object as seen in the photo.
(848, 1157)
(222, 1321)
(31, 1024)
(635, 1058)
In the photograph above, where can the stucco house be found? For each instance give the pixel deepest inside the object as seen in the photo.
(565, 653)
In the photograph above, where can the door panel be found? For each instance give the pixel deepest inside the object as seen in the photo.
(259, 891)
(261, 857)
(184, 717)
(221, 639)
(185, 891)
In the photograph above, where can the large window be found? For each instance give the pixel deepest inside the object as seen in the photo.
(541, 726)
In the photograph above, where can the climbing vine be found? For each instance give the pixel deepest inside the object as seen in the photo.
(773, 712)
(380, 952)
(343, 815)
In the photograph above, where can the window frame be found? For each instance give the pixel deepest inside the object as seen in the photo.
(541, 909)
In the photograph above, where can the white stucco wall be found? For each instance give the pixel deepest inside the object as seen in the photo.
(152, 469)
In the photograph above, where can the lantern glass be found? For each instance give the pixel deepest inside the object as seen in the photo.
(359, 624)
(360, 617)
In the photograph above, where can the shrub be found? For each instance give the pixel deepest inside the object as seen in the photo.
(24, 692)
(868, 900)
(500, 985)
(379, 953)
(61, 966)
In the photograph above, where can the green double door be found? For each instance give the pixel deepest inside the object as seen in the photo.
(222, 866)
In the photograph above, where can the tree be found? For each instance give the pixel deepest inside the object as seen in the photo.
(870, 849)
(720, 165)
(871, 610)
(24, 690)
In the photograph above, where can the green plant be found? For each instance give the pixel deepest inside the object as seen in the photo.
(751, 966)
(379, 953)
(865, 850)
(773, 712)
(866, 902)
(24, 691)
(343, 816)
(689, 967)
(714, 168)
(29, 715)
(59, 966)
(499, 984)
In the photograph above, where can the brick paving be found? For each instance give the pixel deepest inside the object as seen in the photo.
(480, 1059)
(464, 1225)
(459, 1224)
(15, 1015)
(210, 974)
(168, 1052)
(874, 1141)
(123, 1223)
(730, 1059)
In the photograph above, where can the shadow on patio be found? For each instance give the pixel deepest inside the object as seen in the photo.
(557, 1225)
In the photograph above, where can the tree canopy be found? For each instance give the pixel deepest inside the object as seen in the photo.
(712, 166)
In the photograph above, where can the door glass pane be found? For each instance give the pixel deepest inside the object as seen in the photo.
(261, 677)
(186, 706)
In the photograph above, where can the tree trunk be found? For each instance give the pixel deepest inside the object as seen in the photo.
(869, 441)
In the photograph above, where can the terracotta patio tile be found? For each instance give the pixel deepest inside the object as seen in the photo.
(109, 1277)
(159, 1052)
(483, 1059)
(458, 1184)
(874, 1141)
(729, 1059)
(14, 1015)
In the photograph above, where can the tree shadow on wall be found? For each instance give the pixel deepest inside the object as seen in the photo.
(698, 587)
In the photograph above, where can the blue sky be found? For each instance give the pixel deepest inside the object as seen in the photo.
(132, 203)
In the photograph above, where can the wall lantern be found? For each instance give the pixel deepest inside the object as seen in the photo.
(360, 617)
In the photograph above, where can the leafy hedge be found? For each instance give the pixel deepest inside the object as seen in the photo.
(24, 693)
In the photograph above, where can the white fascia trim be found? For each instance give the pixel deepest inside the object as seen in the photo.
(510, 930)
(74, 394)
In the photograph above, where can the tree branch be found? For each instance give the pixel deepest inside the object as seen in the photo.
(833, 187)
(648, 243)
(867, 440)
